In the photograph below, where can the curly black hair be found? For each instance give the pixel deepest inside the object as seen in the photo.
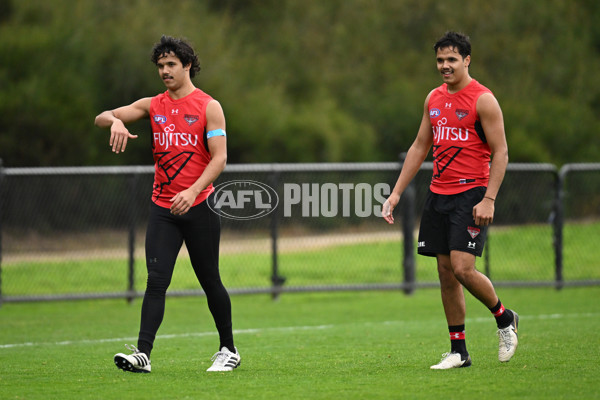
(459, 41)
(181, 48)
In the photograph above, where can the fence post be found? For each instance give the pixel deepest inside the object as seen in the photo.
(1, 214)
(558, 226)
(408, 225)
(133, 183)
(486, 255)
(277, 280)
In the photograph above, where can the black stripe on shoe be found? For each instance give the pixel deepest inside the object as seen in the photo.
(141, 360)
(467, 362)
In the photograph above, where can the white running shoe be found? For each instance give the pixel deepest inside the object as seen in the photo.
(225, 360)
(136, 362)
(452, 360)
(508, 340)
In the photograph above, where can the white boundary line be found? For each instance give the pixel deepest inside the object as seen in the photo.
(276, 329)
(170, 336)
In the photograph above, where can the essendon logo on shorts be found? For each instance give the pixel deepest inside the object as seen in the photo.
(473, 231)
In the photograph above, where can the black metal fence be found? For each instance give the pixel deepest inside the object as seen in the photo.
(79, 232)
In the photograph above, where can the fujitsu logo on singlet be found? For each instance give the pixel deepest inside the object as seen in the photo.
(443, 132)
(169, 138)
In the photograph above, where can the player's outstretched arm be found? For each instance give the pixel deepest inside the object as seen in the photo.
(117, 118)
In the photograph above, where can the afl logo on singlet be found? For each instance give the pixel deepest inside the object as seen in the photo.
(434, 113)
(160, 119)
(243, 200)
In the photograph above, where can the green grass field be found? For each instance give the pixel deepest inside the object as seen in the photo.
(350, 345)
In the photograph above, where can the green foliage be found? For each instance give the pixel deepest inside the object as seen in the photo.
(299, 81)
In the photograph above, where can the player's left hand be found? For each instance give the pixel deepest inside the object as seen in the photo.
(483, 212)
(182, 202)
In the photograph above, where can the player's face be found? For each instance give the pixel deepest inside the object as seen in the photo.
(171, 71)
(453, 67)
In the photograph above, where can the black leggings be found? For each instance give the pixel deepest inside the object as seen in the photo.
(200, 228)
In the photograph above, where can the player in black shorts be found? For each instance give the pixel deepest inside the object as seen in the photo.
(447, 224)
(462, 122)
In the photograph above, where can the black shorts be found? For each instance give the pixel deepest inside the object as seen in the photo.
(447, 224)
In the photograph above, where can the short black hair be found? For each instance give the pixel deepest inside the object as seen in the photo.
(181, 48)
(459, 41)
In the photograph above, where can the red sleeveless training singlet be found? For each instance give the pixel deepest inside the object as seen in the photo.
(179, 145)
(461, 155)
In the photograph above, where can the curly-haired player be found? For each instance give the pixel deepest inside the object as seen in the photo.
(190, 151)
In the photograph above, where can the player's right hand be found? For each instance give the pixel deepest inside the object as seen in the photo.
(387, 209)
(119, 135)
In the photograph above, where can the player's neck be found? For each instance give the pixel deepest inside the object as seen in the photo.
(458, 86)
(182, 91)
